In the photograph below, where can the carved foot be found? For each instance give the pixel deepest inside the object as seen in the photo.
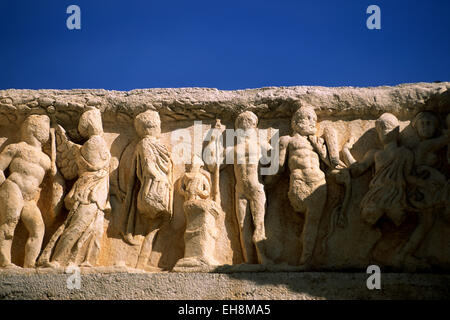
(195, 264)
(409, 263)
(128, 238)
(10, 266)
(413, 264)
(152, 269)
(305, 258)
(86, 264)
(53, 264)
(265, 260)
(306, 262)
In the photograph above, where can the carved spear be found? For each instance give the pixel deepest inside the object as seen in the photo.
(216, 149)
(58, 183)
(331, 140)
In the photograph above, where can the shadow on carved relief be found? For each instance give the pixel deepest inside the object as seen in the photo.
(268, 193)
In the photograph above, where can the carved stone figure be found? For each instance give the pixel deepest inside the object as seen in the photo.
(307, 185)
(77, 240)
(430, 190)
(214, 150)
(393, 165)
(201, 213)
(19, 192)
(334, 166)
(386, 203)
(150, 188)
(249, 193)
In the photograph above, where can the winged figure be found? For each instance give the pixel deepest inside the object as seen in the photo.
(77, 241)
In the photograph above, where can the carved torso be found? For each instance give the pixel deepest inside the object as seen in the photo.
(28, 167)
(304, 162)
(94, 155)
(153, 169)
(246, 169)
(129, 205)
(195, 186)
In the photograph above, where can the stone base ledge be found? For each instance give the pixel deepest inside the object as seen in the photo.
(243, 286)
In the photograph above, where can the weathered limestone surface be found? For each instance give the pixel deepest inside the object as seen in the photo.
(240, 286)
(91, 178)
(204, 103)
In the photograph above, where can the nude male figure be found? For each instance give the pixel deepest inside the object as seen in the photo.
(430, 189)
(307, 186)
(250, 196)
(19, 192)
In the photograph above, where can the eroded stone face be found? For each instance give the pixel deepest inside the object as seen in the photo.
(93, 178)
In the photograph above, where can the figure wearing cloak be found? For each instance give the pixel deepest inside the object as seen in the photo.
(150, 187)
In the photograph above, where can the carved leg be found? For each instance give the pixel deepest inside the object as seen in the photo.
(81, 219)
(86, 237)
(371, 214)
(11, 203)
(95, 243)
(44, 259)
(32, 219)
(257, 209)
(244, 236)
(297, 191)
(315, 204)
(147, 245)
(426, 221)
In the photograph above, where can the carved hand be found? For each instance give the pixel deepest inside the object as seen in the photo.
(53, 169)
(342, 175)
(312, 139)
(316, 141)
(349, 144)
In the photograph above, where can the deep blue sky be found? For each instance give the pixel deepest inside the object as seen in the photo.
(224, 44)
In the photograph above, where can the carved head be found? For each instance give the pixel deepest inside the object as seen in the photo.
(426, 124)
(387, 127)
(37, 126)
(246, 120)
(90, 123)
(304, 121)
(148, 123)
(196, 164)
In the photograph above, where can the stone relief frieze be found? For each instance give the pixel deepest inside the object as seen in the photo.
(184, 180)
